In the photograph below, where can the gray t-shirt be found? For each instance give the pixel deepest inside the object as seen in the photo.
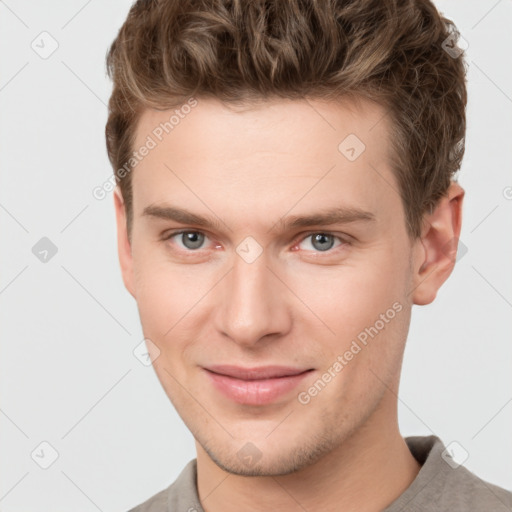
(441, 485)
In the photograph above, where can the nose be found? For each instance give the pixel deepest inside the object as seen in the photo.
(253, 303)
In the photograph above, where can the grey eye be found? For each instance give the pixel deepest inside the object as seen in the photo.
(322, 242)
(192, 239)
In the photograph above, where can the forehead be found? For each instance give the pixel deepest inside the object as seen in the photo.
(266, 159)
(273, 125)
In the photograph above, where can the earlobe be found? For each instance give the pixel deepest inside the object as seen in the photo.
(436, 249)
(124, 249)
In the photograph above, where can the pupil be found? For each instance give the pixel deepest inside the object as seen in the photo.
(321, 238)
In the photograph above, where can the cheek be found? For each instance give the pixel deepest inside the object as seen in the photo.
(170, 303)
(164, 295)
(366, 309)
(349, 298)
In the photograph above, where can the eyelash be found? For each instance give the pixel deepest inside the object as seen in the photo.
(344, 241)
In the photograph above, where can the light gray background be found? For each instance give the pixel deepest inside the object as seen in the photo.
(68, 326)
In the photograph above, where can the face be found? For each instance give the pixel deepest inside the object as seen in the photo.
(273, 272)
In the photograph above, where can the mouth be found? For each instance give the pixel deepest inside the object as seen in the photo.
(255, 386)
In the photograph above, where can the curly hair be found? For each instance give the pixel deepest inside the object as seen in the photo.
(401, 54)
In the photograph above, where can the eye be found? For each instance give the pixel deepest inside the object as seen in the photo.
(190, 240)
(322, 242)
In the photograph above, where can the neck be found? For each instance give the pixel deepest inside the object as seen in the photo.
(365, 473)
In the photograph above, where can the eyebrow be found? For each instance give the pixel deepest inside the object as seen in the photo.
(326, 217)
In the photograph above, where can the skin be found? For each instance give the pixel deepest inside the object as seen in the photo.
(295, 305)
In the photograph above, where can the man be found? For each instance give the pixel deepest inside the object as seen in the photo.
(245, 135)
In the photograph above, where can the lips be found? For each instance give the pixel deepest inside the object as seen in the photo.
(262, 372)
(255, 386)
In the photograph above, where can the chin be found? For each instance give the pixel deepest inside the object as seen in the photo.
(249, 460)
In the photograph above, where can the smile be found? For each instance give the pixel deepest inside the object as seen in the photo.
(255, 386)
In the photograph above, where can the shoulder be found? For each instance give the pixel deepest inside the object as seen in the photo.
(465, 491)
(157, 503)
(443, 484)
(180, 495)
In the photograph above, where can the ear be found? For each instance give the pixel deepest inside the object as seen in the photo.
(124, 249)
(436, 249)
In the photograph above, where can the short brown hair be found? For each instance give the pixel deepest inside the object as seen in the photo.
(393, 52)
